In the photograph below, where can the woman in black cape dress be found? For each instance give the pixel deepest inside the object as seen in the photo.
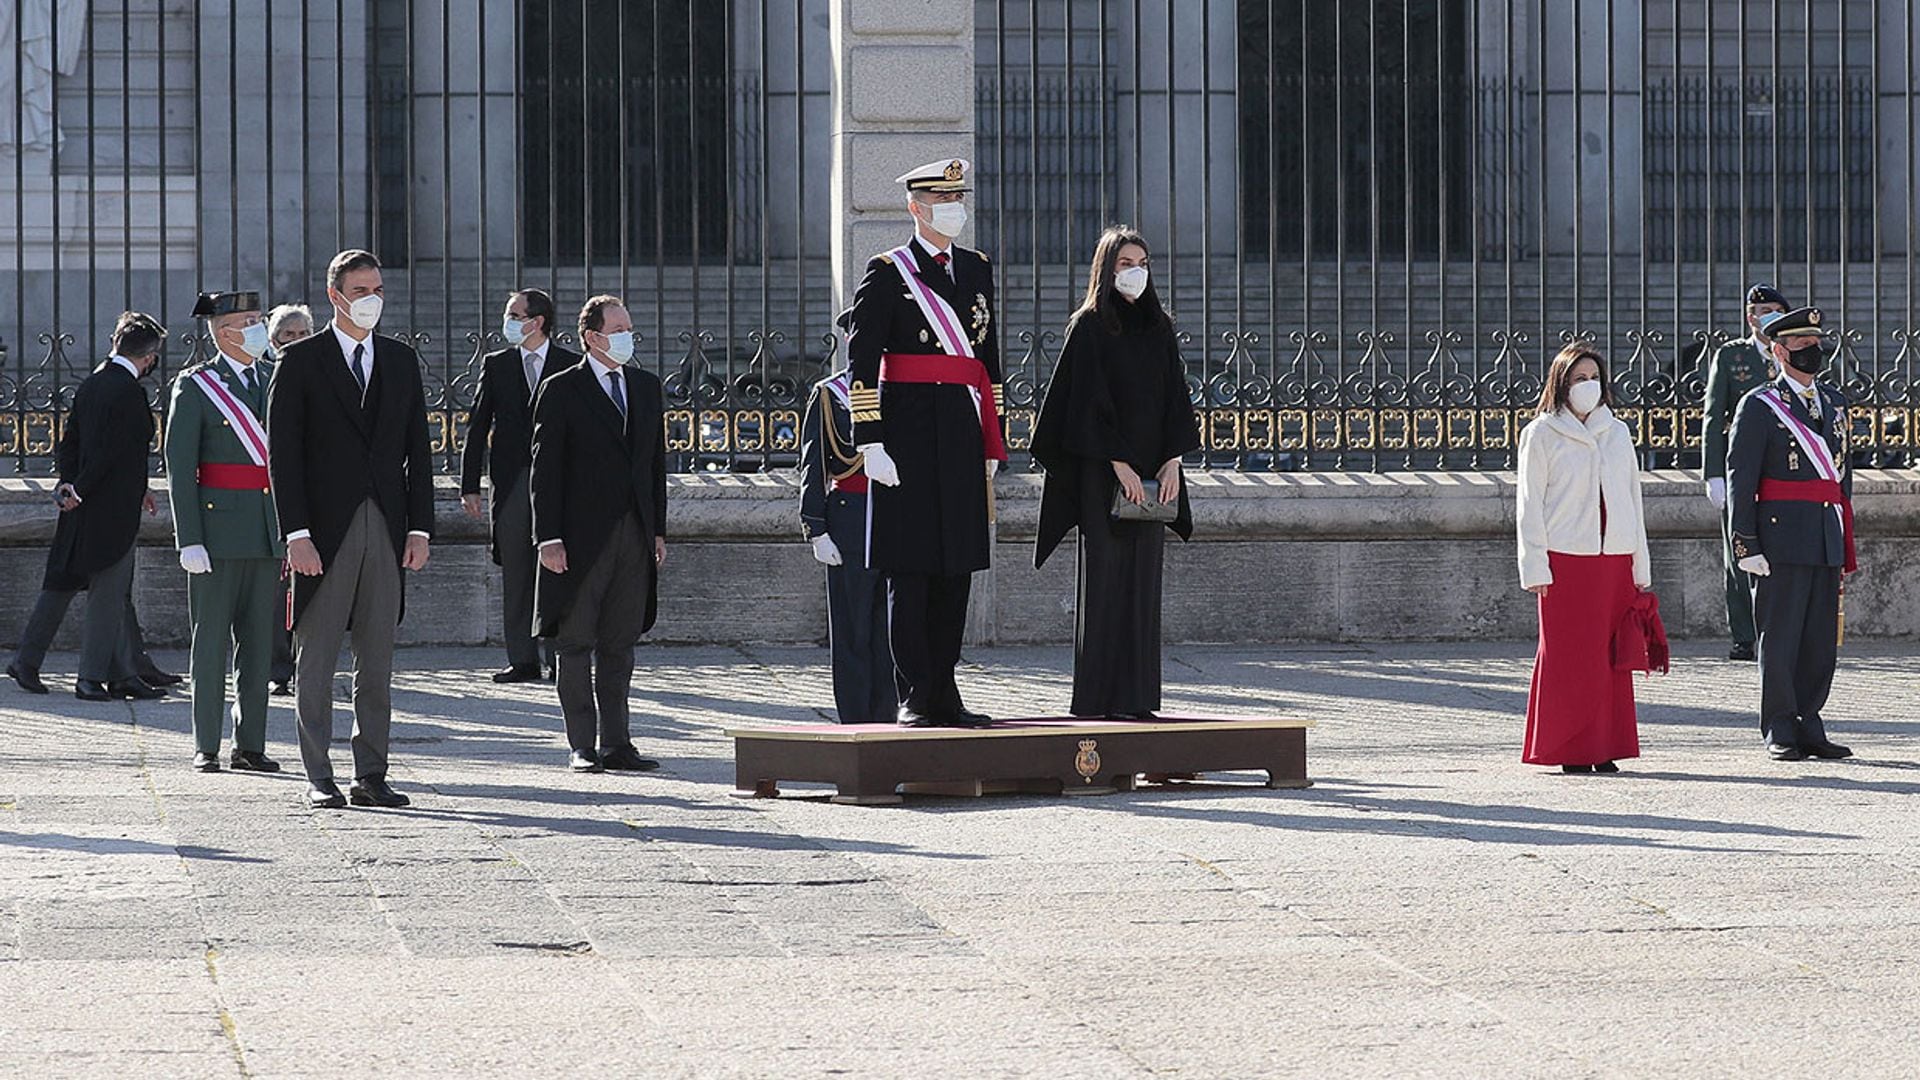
(1116, 412)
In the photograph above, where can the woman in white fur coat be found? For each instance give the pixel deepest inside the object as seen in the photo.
(1583, 552)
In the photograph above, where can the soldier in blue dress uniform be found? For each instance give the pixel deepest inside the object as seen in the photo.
(1790, 488)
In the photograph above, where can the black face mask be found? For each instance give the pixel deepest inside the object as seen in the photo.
(1811, 360)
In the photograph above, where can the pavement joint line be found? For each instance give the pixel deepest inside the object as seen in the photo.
(210, 955)
(1261, 898)
(722, 889)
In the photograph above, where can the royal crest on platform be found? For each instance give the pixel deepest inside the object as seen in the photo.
(1087, 761)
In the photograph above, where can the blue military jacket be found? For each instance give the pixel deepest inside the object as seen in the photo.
(1803, 533)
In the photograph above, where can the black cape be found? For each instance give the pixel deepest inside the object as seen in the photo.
(1114, 397)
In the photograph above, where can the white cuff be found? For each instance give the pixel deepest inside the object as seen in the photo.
(299, 534)
(422, 535)
(550, 543)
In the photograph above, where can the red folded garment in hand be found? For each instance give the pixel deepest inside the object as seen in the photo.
(1640, 641)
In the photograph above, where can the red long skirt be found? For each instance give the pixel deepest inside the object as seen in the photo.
(1580, 711)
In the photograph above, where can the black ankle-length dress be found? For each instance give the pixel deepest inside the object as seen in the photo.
(1116, 395)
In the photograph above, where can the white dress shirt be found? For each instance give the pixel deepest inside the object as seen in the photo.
(928, 262)
(132, 368)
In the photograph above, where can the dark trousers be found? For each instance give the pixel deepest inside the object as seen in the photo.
(50, 610)
(1739, 586)
(926, 617)
(594, 648)
(519, 560)
(282, 669)
(106, 652)
(1116, 628)
(1797, 610)
(863, 689)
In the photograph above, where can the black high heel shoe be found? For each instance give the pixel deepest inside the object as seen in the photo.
(1576, 768)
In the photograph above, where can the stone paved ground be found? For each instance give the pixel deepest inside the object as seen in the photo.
(1430, 907)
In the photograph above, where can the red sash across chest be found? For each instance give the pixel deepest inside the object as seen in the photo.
(953, 371)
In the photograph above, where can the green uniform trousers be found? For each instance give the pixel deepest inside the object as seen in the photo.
(232, 607)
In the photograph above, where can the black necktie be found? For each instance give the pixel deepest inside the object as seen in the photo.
(360, 370)
(616, 386)
(246, 376)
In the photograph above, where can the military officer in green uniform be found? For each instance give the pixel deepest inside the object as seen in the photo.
(1736, 368)
(224, 526)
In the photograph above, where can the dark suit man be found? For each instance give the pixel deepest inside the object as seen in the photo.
(57, 590)
(1736, 368)
(599, 511)
(1791, 489)
(925, 399)
(503, 408)
(102, 492)
(353, 493)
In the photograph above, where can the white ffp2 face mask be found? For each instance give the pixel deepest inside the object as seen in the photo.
(947, 218)
(1584, 396)
(365, 312)
(1130, 281)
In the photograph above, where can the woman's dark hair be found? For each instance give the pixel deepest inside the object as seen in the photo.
(1559, 382)
(1102, 297)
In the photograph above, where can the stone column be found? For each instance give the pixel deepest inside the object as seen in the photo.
(902, 96)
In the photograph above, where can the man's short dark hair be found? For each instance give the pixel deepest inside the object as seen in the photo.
(593, 314)
(539, 306)
(137, 334)
(348, 261)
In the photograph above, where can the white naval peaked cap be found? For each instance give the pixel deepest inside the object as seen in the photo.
(947, 174)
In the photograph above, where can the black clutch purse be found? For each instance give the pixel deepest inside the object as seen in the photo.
(1153, 510)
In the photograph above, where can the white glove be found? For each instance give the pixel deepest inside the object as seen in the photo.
(1717, 492)
(825, 551)
(880, 467)
(993, 468)
(194, 559)
(1755, 565)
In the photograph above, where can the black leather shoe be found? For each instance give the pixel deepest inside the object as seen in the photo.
(966, 718)
(1832, 751)
(585, 761)
(325, 795)
(550, 673)
(156, 677)
(136, 690)
(518, 673)
(1576, 768)
(1742, 650)
(252, 761)
(1606, 766)
(1782, 752)
(283, 687)
(627, 759)
(908, 717)
(373, 791)
(205, 762)
(89, 690)
(28, 678)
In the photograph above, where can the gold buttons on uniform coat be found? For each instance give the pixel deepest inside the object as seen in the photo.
(209, 506)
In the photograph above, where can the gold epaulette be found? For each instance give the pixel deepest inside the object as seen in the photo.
(864, 402)
(888, 259)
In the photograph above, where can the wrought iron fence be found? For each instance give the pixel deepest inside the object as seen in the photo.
(1373, 218)
(1377, 220)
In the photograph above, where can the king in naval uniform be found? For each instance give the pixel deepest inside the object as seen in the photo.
(925, 395)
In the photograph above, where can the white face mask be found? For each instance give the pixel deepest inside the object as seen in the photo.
(620, 346)
(947, 218)
(514, 330)
(1585, 396)
(365, 312)
(1130, 281)
(253, 340)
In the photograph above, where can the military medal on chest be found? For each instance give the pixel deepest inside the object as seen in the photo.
(982, 318)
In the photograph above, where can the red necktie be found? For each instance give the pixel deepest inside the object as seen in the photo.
(942, 258)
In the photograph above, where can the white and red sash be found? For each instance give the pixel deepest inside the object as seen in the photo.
(247, 426)
(940, 314)
(1811, 444)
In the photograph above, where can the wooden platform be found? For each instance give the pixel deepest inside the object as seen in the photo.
(869, 763)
